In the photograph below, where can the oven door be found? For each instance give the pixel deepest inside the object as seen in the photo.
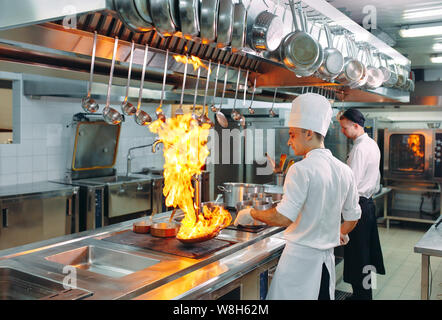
(408, 154)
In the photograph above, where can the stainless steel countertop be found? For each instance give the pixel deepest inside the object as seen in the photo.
(229, 261)
(35, 189)
(431, 243)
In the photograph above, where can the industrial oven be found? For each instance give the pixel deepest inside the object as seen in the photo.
(413, 154)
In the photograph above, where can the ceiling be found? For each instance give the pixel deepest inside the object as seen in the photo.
(390, 19)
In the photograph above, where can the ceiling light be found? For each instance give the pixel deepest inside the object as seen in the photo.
(430, 12)
(421, 31)
(436, 59)
(437, 46)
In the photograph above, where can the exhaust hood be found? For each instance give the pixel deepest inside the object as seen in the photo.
(36, 38)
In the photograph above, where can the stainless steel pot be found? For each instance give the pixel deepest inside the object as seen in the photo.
(160, 12)
(267, 32)
(239, 27)
(353, 69)
(189, 17)
(225, 23)
(234, 192)
(375, 76)
(208, 20)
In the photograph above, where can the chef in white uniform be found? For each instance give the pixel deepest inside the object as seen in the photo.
(317, 190)
(363, 254)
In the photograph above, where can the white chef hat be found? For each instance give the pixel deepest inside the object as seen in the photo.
(311, 111)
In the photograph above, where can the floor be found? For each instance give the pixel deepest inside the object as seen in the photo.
(402, 280)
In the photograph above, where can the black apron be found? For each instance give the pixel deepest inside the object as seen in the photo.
(364, 248)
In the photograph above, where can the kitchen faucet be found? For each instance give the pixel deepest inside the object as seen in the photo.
(129, 158)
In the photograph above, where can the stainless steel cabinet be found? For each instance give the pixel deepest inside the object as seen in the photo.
(27, 218)
(128, 198)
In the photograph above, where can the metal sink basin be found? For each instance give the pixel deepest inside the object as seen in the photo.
(103, 261)
(19, 285)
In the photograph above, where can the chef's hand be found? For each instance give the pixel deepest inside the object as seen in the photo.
(344, 238)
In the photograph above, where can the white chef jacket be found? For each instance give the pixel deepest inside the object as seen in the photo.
(321, 188)
(364, 161)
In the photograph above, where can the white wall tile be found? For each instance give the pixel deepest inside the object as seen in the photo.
(39, 164)
(24, 178)
(8, 165)
(8, 179)
(24, 165)
(39, 147)
(39, 176)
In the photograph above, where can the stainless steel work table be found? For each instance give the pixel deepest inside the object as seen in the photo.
(156, 281)
(429, 245)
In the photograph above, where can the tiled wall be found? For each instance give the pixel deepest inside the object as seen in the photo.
(43, 153)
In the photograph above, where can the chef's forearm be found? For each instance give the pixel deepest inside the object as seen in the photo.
(348, 226)
(270, 217)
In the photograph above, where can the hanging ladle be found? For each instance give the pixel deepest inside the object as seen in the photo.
(213, 107)
(236, 116)
(271, 112)
(242, 120)
(128, 108)
(179, 111)
(203, 118)
(141, 117)
(159, 111)
(87, 103)
(194, 116)
(111, 115)
(220, 117)
(251, 110)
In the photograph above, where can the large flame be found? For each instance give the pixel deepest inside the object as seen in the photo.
(415, 145)
(194, 61)
(185, 152)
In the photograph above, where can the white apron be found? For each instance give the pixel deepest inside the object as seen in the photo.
(299, 271)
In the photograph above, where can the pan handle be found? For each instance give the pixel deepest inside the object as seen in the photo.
(221, 188)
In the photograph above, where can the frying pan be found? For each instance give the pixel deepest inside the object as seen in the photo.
(188, 11)
(210, 205)
(239, 27)
(161, 18)
(299, 50)
(224, 27)
(375, 76)
(208, 20)
(333, 62)
(353, 69)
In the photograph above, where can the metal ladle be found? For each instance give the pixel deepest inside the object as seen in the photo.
(271, 112)
(242, 120)
(87, 103)
(235, 114)
(159, 111)
(220, 117)
(141, 117)
(213, 107)
(194, 116)
(128, 108)
(179, 111)
(111, 115)
(203, 118)
(251, 110)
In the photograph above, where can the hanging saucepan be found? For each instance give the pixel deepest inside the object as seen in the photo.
(239, 27)
(189, 21)
(393, 77)
(333, 62)
(225, 23)
(314, 67)
(208, 20)
(401, 77)
(353, 68)
(385, 71)
(160, 12)
(375, 77)
(299, 50)
(267, 32)
(359, 53)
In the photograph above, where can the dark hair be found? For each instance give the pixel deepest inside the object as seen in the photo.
(354, 115)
